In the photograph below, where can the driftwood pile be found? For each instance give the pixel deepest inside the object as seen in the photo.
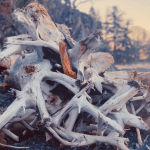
(63, 85)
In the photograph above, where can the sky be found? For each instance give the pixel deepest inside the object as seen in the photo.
(136, 10)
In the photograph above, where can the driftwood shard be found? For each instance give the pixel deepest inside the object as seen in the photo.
(12, 50)
(137, 130)
(65, 60)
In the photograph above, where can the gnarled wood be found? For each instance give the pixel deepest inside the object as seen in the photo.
(40, 100)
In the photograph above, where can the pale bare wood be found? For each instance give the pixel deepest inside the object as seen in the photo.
(10, 134)
(99, 125)
(76, 139)
(140, 108)
(66, 32)
(37, 13)
(139, 97)
(13, 146)
(29, 74)
(137, 130)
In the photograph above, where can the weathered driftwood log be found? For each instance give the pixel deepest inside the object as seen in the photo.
(36, 83)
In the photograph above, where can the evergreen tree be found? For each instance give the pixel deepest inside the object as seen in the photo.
(113, 27)
(117, 34)
(96, 23)
(126, 44)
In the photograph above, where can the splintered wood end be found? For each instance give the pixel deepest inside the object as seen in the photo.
(40, 10)
(100, 116)
(65, 60)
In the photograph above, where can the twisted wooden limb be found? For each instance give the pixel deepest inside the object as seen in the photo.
(81, 50)
(10, 50)
(90, 67)
(27, 125)
(117, 102)
(69, 124)
(52, 45)
(140, 108)
(28, 113)
(77, 139)
(84, 47)
(123, 117)
(79, 101)
(31, 124)
(17, 107)
(137, 130)
(9, 146)
(139, 97)
(10, 134)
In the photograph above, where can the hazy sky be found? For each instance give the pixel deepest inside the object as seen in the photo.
(136, 10)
